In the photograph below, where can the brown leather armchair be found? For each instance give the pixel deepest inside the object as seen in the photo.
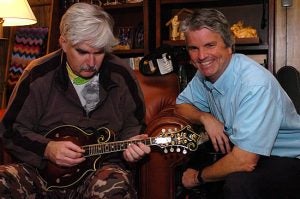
(157, 173)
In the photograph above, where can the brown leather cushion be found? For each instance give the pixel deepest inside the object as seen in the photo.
(1, 113)
(160, 92)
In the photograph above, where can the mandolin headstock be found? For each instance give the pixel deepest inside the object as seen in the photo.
(182, 140)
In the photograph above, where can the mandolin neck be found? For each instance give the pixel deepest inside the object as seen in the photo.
(109, 147)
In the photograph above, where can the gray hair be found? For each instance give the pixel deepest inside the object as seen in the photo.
(89, 23)
(211, 19)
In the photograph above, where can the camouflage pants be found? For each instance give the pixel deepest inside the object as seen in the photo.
(21, 181)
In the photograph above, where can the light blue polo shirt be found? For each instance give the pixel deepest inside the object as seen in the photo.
(258, 115)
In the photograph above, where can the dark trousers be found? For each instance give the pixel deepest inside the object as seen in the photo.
(274, 178)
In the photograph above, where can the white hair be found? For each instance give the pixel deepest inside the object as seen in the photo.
(89, 23)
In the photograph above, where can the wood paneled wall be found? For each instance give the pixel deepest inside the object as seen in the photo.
(287, 37)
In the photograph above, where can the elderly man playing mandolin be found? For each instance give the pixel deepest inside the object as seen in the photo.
(63, 106)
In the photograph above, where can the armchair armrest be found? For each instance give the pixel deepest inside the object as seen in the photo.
(5, 157)
(158, 171)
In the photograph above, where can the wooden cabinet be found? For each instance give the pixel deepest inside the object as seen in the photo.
(256, 13)
(135, 18)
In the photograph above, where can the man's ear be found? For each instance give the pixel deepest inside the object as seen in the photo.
(63, 43)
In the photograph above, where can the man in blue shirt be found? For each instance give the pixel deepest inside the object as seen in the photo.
(240, 102)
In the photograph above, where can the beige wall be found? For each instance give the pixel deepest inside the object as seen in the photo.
(287, 46)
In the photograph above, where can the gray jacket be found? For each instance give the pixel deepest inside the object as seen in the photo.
(44, 98)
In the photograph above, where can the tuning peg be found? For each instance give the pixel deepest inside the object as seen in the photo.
(163, 130)
(172, 149)
(178, 149)
(165, 150)
(184, 151)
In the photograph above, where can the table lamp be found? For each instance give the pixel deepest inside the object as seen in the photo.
(15, 13)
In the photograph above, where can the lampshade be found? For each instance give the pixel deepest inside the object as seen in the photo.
(15, 13)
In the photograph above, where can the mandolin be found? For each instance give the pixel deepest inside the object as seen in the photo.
(97, 144)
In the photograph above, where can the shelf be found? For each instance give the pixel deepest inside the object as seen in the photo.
(174, 43)
(131, 51)
(134, 16)
(223, 2)
(247, 41)
(261, 47)
(123, 6)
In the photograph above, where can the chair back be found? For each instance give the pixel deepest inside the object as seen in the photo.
(289, 78)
